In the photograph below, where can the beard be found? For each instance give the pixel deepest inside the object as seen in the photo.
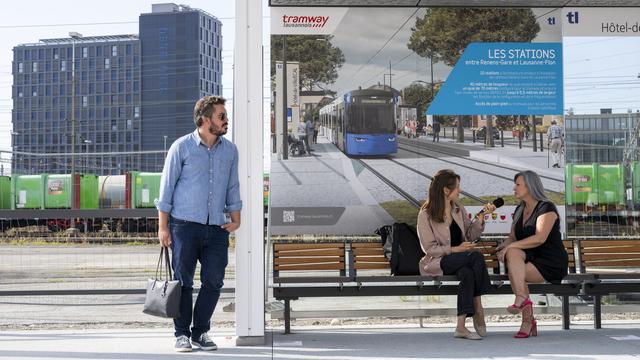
(217, 130)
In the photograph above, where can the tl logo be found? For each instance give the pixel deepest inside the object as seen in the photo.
(551, 20)
(572, 17)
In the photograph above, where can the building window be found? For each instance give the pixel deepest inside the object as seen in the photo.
(107, 63)
(129, 49)
(20, 94)
(85, 52)
(136, 112)
(114, 50)
(56, 56)
(85, 101)
(98, 50)
(34, 91)
(63, 65)
(20, 68)
(34, 67)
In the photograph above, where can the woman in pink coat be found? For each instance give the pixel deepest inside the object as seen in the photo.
(446, 235)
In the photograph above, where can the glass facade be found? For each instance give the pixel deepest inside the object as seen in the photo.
(599, 138)
(181, 62)
(106, 97)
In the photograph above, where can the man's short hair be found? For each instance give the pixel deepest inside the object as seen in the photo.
(554, 121)
(204, 107)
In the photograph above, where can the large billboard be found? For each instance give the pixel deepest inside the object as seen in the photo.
(389, 96)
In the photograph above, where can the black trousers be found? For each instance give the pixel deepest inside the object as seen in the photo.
(472, 273)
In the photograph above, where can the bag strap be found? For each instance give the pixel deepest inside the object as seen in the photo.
(166, 264)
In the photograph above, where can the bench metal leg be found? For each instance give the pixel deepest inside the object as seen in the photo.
(597, 311)
(287, 316)
(565, 312)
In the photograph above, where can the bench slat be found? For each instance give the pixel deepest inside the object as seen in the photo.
(370, 266)
(604, 256)
(278, 247)
(309, 252)
(368, 251)
(366, 245)
(380, 259)
(308, 260)
(613, 263)
(336, 266)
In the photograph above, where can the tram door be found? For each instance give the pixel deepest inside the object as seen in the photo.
(341, 139)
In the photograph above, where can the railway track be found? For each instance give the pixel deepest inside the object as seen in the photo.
(486, 172)
(413, 201)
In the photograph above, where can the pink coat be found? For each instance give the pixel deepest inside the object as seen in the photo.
(435, 238)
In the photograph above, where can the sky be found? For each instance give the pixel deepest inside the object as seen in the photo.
(29, 21)
(601, 72)
(362, 35)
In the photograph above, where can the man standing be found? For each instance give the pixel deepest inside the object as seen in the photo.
(302, 136)
(310, 129)
(199, 185)
(436, 131)
(555, 140)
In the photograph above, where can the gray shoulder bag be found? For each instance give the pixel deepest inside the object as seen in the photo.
(163, 294)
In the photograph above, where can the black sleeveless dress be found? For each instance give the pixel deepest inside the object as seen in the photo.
(550, 258)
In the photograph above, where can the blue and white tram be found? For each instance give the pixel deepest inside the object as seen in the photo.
(362, 122)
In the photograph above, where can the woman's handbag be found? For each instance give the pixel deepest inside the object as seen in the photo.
(163, 294)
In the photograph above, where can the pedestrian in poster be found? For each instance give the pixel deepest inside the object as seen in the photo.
(555, 140)
(436, 131)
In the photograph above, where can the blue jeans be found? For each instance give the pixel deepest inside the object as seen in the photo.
(192, 242)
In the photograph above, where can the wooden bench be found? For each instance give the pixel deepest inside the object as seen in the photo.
(609, 262)
(359, 271)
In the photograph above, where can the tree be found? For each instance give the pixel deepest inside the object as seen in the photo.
(418, 95)
(319, 60)
(443, 34)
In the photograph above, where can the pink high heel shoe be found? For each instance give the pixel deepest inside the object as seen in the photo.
(533, 331)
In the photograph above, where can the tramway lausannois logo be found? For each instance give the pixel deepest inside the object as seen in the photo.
(304, 21)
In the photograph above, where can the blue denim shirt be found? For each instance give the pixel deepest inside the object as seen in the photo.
(198, 182)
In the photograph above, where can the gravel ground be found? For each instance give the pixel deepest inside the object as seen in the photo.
(279, 324)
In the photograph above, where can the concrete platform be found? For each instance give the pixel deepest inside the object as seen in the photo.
(619, 341)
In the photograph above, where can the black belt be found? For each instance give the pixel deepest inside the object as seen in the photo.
(555, 138)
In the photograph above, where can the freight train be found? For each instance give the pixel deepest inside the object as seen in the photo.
(134, 190)
(609, 193)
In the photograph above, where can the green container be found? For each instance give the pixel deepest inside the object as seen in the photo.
(635, 173)
(611, 184)
(57, 191)
(26, 191)
(265, 189)
(145, 189)
(581, 184)
(5, 192)
(89, 192)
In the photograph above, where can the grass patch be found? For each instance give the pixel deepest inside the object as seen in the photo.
(403, 212)
(556, 198)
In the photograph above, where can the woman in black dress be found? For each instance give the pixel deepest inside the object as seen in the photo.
(534, 252)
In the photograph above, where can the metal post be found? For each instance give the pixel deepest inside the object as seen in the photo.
(533, 128)
(519, 140)
(473, 134)
(285, 126)
(74, 35)
(73, 122)
(541, 146)
(502, 137)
